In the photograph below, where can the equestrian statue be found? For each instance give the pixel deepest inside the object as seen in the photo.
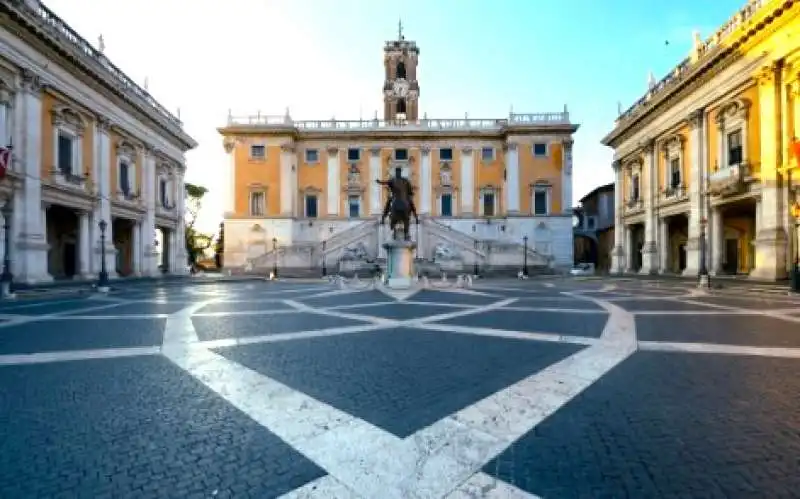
(400, 205)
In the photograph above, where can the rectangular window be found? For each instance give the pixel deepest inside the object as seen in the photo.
(446, 154)
(162, 192)
(257, 204)
(487, 154)
(311, 206)
(65, 154)
(590, 223)
(354, 206)
(401, 154)
(258, 151)
(635, 187)
(675, 173)
(735, 148)
(124, 180)
(540, 202)
(353, 154)
(488, 204)
(312, 156)
(540, 149)
(447, 205)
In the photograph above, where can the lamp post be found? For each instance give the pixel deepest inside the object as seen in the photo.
(525, 256)
(102, 281)
(475, 266)
(702, 276)
(795, 281)
(7, 278)
(275, 261)
(324, 258)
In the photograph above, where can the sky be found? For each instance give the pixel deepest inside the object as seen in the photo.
(324, 58)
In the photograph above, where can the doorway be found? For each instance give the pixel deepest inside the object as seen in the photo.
(731, 265)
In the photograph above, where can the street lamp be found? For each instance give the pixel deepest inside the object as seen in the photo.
(7, 278)
(102, 281)
(795, 282)
(275, 261)
(525, 256)
(324, 263)
(475, 266)
(702, 276)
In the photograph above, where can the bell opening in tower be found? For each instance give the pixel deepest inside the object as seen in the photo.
(401, 70)
(401, 109)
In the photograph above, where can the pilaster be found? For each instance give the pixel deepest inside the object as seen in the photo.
(286, 175)
(425, 173)
(697, 175)
(512, 179)
(618, 252)
(230, 188)
(333, 195)
(717, 229)
(467, 181)
(566, 176)
(375, 207)
(650, 188)
(148, 228)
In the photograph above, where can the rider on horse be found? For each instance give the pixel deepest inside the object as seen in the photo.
(402, 196)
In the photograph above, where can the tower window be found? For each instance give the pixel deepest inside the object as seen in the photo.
(401, 70)
(446, 154)
(353, 154)
(401, 154)
(401, 106)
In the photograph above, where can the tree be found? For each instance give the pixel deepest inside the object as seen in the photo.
(196, 242)
(219, 246)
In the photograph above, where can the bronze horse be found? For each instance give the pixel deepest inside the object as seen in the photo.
(400, 205)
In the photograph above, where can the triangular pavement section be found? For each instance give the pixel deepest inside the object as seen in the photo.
(399, 294)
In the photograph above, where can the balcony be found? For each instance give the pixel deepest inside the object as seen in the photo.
(425, 124)
(674, 194)
(68, 179)
(729, 180)
(633, 206)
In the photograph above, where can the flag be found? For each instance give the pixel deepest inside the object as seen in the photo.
(5, 160)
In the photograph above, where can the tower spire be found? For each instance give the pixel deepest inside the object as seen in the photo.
(400, 29)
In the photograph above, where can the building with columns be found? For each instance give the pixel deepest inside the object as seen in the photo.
(304, 192)
(703, 161)
(89, 144)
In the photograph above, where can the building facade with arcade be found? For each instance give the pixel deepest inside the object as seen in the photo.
(706, 161)
(88, 145)
(304, 193)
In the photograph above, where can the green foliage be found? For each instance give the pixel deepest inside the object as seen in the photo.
(219, 246)
(196, 242)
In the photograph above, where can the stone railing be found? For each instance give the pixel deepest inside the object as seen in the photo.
(266, 120)
(740, 18)
(674, 193)
(634, 205)
(61, 31)
(728, 180)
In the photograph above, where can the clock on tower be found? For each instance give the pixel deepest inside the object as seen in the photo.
(401, 90)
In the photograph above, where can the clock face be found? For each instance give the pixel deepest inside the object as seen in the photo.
(401, 88)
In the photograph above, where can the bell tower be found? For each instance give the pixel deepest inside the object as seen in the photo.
(400, 90)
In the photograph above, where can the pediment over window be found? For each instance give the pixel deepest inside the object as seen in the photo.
(736, 109)
(633, 166)
(542, 183)
(257, 187)
(65, 116)
(311, 190)
(126, 148)
(673, 143)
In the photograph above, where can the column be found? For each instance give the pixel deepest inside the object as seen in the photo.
(136, 245)
(5, 122)
(771, 234)
(426, 181)
(697, 156)
(467, 181)
(32, 235)
(287, 167)
(180, 253)
(375, 207)
(717, 236)
(566, 176)
(650, 188)
(103, 209)
(629, 249)
(84, 246)
(334, 176)
(512, 179)
(230, 188)
(663, 245)
(618, 253)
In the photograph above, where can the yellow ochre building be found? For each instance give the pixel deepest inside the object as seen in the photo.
(304, 192)
(706, 161)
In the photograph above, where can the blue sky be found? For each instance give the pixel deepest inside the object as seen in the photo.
(323, 58)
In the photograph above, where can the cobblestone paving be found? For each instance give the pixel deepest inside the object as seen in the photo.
(507, 389)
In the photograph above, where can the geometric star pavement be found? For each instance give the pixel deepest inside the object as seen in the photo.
(508, 389)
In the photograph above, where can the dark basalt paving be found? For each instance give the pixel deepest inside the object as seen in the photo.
(36, 308)
(743, 330)
(245, 306)
(650, 429)
(748, 302)
(401, 311)
(133, 428)
(453, 297)
(76, 334)
(401, 379)
(589, 325)
(335, 300)
(143, 308)
(214, 328)
(661, 305)
(556, 302)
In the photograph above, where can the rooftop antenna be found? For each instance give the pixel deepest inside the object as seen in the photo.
(619, 107)
(179, 113)
(146, 83)
(101, 45)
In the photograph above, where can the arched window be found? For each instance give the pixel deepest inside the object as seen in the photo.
(401, 70)
(401, 106)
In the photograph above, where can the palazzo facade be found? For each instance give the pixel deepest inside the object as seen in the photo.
(304, 192)
(87, 145)
(706, 161)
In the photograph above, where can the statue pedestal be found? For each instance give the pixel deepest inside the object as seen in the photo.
(399, 263)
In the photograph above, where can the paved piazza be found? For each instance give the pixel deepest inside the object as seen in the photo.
(509, 389)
